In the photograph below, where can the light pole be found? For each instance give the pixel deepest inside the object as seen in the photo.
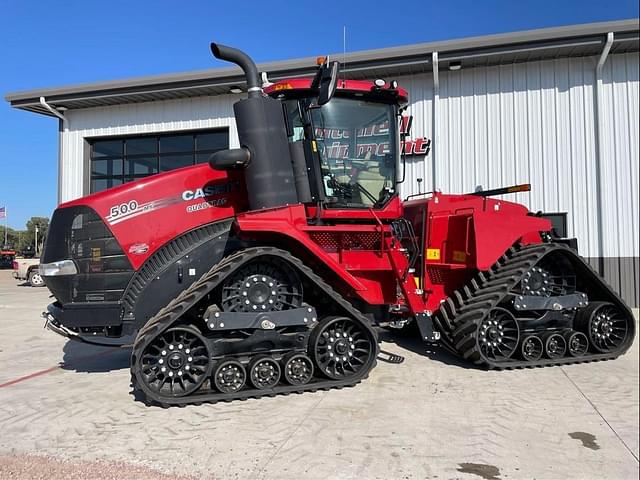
(36, 247)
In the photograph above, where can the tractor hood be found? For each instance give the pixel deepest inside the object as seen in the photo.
(144, 215)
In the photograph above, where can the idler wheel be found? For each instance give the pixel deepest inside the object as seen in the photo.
(605, 325)
(498, 335)
(176, 362)
(341, 347)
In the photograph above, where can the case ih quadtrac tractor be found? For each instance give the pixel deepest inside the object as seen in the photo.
(267, 270)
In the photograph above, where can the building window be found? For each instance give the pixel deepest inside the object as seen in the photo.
(115, 161)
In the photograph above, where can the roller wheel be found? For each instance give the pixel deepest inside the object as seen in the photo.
(341, 347)
(264, 372)
(555, 346)
(298, 369)
(264, 285)
(605, 325)
(498, 335)
(531, 348)
(176, 363)
(229, 376)
(577, 343)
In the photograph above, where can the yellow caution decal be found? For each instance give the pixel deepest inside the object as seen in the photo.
(433, 254)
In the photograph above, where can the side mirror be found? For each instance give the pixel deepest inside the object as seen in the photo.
(326, 82)
(230, 159)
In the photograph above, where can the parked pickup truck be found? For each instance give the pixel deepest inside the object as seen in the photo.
(27, 269)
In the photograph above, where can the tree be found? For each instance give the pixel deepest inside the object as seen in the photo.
(13, 238)
(28, 238)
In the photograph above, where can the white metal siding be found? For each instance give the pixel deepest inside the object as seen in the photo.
(525, 123)
(534, 123)
(137, 118)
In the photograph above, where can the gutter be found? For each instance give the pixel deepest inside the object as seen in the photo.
(599, 128)
(63, 127)
(434, 118)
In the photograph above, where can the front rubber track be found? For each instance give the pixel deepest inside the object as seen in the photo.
(173, 312)
(460, 315)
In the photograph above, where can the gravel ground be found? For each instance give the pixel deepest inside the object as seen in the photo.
(35, 467)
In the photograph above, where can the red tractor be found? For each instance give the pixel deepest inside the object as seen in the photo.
(269, 269)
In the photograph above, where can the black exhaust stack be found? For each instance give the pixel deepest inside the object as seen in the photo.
(261, 131)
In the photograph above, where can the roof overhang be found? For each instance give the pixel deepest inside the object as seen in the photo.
(508, 48)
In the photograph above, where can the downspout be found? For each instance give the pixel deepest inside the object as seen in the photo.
(62, 129)
(434, 118)
(600, 148)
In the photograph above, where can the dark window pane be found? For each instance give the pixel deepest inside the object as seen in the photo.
(100, 184)
(142, 146)
(177, 143)
(106, 167)
(203, 157)
(169, 162)
(141, 165)
(107, 148)
(212, 141)
(134, 178)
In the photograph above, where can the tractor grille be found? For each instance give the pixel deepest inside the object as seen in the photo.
(79, 234)
(332, 242)
(437, 275)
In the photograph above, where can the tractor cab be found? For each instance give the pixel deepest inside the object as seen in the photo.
(349, 144)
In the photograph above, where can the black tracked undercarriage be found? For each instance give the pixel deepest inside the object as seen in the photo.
(258, 323)
(538, 305)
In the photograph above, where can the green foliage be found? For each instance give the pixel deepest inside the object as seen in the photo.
(25, 239)
(13, 237)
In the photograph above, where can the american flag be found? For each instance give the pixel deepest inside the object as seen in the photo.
(3, 212)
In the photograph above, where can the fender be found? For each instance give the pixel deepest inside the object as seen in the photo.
(495, 232)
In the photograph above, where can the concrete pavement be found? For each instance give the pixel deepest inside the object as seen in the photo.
(429, 417)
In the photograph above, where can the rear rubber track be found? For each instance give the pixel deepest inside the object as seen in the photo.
(172, 313)
(461, 313)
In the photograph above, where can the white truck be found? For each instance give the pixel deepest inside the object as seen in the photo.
(27, 269)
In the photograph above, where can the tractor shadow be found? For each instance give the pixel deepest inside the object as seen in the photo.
(84, 358)
(409, 339)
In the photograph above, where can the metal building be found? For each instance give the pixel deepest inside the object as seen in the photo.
(557, 108)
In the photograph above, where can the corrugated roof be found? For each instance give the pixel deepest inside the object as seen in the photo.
(568, 41)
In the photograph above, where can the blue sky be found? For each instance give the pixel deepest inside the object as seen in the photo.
(45, 44)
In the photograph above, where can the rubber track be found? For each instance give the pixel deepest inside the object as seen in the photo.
(460, 314)
(172, 313)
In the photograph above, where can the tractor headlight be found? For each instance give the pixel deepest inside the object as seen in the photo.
(63, 267)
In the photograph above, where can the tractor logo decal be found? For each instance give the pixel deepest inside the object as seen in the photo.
(139, 248)
(125, 211)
